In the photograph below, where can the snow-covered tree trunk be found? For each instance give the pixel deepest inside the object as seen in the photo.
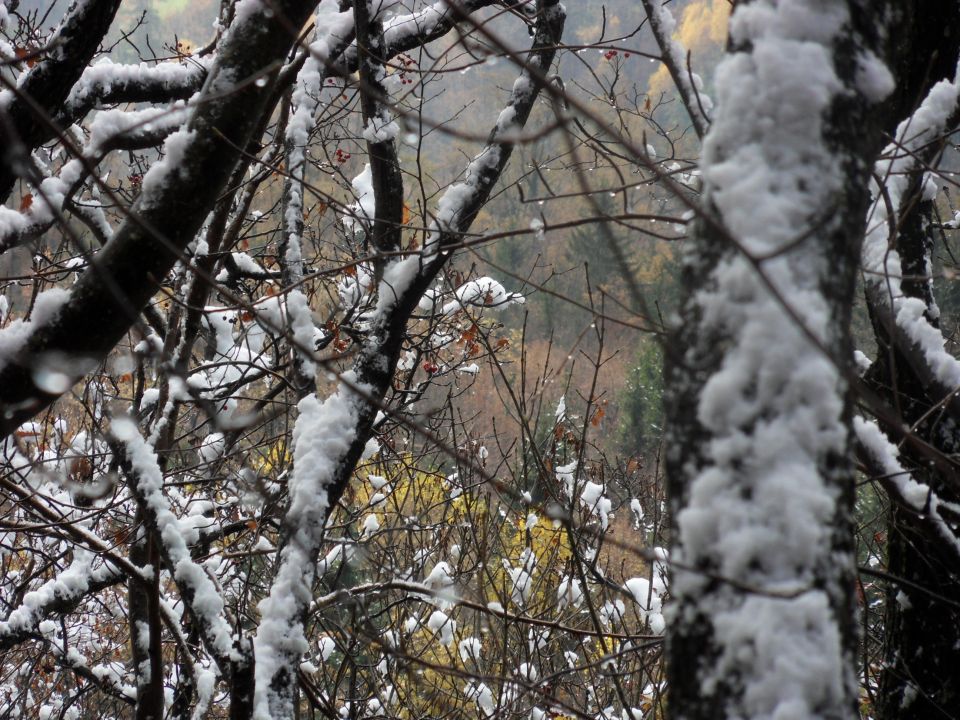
(759, 403)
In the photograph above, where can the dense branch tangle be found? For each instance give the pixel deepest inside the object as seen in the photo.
(178, 236)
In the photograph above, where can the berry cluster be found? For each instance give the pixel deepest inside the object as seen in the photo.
(406, 61)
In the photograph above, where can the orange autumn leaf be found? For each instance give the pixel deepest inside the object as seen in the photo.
(23, 52)
(120, 535)
(405, 218)
(81, 469)
(598, 416)
(26, 202)
(470, 335)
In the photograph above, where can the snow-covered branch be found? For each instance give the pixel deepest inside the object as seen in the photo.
(333, 32)
(330, 436)
(110, 83)
(198, 591)
(58, 596)
(662, 24)
(380, 132)
(882, 458)
(170, 209)
(41, 91)
(462, 201)
(405, 32)
(323, 438)
(112, 129)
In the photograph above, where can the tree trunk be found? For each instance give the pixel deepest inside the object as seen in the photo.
(758, 400)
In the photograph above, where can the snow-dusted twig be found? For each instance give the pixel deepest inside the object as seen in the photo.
(85, 538)
(674, 57)
(106, 677)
